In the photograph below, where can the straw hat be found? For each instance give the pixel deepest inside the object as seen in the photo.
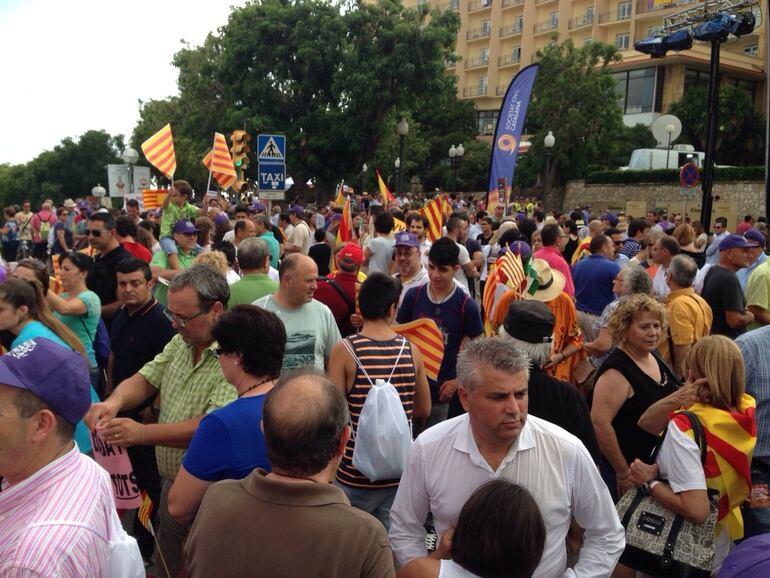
(504, 226)
(550, 282)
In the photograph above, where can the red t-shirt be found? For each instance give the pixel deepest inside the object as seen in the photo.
(138, 250)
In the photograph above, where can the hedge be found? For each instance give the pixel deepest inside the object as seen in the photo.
(726, 174)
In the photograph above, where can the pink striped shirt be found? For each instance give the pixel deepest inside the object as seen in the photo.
(57, 522)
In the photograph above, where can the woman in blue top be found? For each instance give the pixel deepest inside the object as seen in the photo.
(228, 443)
(78, 308)
(25, 314)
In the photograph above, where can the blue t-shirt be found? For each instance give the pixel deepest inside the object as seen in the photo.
(34, 330)
(228, 443)
(457, 317)
(593, 278)
(85, 325)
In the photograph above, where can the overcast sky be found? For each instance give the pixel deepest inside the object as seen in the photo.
(77, 65)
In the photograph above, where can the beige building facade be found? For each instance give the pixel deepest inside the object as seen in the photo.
(499, 37)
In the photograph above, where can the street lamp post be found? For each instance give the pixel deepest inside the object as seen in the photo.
(548, 144)
(130, 156)
(403, 129)
(363, 177)
(99, 192)
(397, 164)
(670, 129)
(455, 156)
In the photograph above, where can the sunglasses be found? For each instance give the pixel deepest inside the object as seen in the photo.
(94, 232)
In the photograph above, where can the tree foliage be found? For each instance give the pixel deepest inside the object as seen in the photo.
(575, 97)
(335, 83)
(71, 169)
(741, 132)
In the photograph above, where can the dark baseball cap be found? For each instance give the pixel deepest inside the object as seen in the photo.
(755, 238)
(55, 374)
(734, 241)
(185, 227)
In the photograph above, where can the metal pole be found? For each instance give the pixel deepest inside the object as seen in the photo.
(711, 137)
(546, 181)
(454, 175)
(668, 152)
(400, 162)
(767, 121)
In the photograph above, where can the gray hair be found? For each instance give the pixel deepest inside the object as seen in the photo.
(636, 280)
(208, 282)
(252, 253)
(683, 270)
(500, 354)
(538, 353)
(263, 219)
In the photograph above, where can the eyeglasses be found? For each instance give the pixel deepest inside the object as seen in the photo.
(94, 232)
(181, 322)
(404, 252)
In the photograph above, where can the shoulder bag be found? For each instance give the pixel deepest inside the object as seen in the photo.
(660, 542)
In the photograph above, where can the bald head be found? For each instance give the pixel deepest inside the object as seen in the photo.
(303, 419)
(595, 228)
(298, 280)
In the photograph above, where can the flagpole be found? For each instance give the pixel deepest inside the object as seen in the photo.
(208, 185)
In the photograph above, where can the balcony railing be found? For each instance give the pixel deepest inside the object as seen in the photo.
(538, 2)
(500, 89)
(479, 5)
(453, 5)
(508, 59)
(580, 21)
(613, 16)
(473, 91)
(478, 33)
(511, 3)
(511, 30)
(449, 64)
(477, 62)
(546, 26)
(646, 6)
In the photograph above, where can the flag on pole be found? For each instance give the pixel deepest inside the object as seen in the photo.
(153, 198)
(345, 230)
(340, 198)
(145, 511)
(387, 196)
(398, 225)
(220, 163)
(511, 271)
(159, 150)
(434, 213)
(425, 335)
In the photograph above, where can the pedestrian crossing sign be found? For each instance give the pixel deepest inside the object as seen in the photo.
(271, 147)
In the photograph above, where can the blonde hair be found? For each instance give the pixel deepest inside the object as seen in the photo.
(717, 359)
(629, 309)
(684, 234)
(216, 259)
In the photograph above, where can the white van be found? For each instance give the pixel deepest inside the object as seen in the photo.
(648, 159)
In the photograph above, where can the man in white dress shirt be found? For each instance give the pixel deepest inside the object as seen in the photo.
(496, 438)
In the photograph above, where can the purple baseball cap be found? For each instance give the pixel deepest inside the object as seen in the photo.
(56, 374)
(298, 211)
(258, 207)
(521, 248)
(405, 239)
(755, 238)
(734, 241)
(613, 219)
(185, 227)
(748, 559)
(221, 219)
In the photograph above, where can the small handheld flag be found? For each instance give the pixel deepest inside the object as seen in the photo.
(159, 150)
(219, 162)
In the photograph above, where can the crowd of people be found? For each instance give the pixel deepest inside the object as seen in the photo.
(237, 353)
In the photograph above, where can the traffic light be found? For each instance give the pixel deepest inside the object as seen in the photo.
(241, 187)
(240, 149)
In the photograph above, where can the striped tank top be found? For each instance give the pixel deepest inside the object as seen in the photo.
(378, 358)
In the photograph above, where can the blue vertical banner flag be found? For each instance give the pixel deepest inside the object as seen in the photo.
(505, 147)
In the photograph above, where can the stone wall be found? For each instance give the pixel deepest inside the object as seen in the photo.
(731, 200)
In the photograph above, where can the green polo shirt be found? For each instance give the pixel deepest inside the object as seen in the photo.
(187, 390)
(173, 213)
(250, 288)
(275, 247)
(160, 259)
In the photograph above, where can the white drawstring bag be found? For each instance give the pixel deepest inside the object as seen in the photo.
(383, 436)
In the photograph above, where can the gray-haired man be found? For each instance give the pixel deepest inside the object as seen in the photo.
(496, 438)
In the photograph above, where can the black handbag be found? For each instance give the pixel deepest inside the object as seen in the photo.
(660, 542)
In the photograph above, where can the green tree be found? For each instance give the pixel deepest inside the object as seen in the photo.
(575, 97)
(741, 132)
(334, 83)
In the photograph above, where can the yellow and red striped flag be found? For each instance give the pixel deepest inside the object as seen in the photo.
(153, 198)
(387, 196)
(340, 198)
(159, 150)
(345, 230)
(145, 511)
(398, 225)
(511, 271)
(425, 335)
(433, 212)
(220, 163)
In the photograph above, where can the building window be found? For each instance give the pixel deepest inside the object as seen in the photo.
(621, 41)
(554, 19)
(587, 41)
(636, 90)
(751, 50)
(484, 56)
(654, 31)
(518, 23)
(516, 53)
(486, 27)
(482, 85)
(589, 14)
(749, 86)
(486, 121)
(693, 78)
(624, 10)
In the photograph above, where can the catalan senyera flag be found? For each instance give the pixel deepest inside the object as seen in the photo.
(345, 230)
(425, 335)
(153, 198)
(220, 163)
(340, 198)
(398, 225)
(145, 511)
(511, 271)
(434, 213)
(387, 196)
(159, 151)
